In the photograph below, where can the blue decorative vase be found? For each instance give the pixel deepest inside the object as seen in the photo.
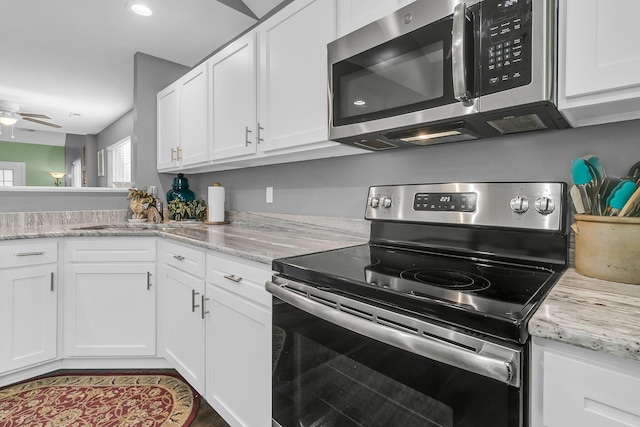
(180, 190)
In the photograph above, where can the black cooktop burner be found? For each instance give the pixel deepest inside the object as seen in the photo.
(450, 279)
(486, 296)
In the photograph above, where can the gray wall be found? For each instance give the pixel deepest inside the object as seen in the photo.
(151, 75)
(73, 150)
(338, 186)
(116, 131)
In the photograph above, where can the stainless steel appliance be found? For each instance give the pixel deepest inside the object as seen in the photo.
(446, 70)
(427, 323)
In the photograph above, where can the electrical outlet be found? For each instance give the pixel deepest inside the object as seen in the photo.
(269, 194)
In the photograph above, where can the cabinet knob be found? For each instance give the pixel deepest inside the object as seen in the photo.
(178, 257)
(173, 154)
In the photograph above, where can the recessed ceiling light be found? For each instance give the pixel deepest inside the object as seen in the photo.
(140, 9)
(359, 102)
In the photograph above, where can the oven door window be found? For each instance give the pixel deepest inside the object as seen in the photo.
(406, 74)
(325, 375)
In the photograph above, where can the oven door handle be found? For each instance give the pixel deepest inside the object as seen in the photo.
(487, 365)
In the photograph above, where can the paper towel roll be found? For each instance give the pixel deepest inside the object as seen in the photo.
(216, 203)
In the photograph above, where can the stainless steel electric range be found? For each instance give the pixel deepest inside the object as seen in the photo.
(425, 325)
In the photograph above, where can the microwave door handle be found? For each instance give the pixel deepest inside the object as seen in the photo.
(458, 55)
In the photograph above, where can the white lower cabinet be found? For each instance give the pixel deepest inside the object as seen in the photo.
(239, 341)
(28, 304)
(183, 311)
(573, 386)
(110, 297)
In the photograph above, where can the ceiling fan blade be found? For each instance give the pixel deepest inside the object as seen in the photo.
(53, 125)
(35, 115)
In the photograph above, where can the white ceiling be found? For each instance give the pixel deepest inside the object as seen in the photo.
(76, 56)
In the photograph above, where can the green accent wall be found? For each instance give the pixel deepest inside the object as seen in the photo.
(40, 160)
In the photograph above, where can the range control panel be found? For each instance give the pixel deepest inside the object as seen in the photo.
(532, 205)
(505, 43)
(449, 202)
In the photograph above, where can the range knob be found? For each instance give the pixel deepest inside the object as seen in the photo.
(374, 202)
(519, 204)
(385, 202)
(545, 205)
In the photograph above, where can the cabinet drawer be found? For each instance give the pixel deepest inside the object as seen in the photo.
(581, 392)
(184, 258)
(241, 277)
(110, 249)
(24, 253)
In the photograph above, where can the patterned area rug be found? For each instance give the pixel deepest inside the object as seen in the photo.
(110, 400)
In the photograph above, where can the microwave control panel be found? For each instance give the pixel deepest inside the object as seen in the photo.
(505, 45)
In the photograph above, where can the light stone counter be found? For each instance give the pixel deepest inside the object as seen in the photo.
(260, 237)
(591, 313)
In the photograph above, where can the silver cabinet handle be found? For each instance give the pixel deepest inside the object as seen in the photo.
(178, 154)
(148, 280)
(458, 52)
(232, 278)
(247, 131)
(202, 306)
(486, 359)
(52, 281)
(29, 253)
(193, 300)
(173, 152)
(178, 257)
(258, 139)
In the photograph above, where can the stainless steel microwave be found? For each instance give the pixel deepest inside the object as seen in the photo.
(445, 70)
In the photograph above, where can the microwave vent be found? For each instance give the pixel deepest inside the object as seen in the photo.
(375, 144)
(516, 124)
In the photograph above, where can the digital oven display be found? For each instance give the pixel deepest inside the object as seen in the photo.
(449, 202)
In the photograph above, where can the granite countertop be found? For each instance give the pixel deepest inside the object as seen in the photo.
(579, 310)
(257, 237)
(591, 313)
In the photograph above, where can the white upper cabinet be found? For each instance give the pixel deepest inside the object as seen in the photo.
(599, 63)
(168, 129)
(194, 116)
(293, 74)
(354, 14)
(233, 98)
(183, 120)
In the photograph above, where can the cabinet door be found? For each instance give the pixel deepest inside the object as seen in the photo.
(110, 309)
(239, 351)
(354, 14)
(193, 113)
(28, 316)
(167, 126)
(184, 325)
(293, 108)
(233, 98)
(599, 68)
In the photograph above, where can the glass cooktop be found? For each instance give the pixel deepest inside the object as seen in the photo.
(486, 296)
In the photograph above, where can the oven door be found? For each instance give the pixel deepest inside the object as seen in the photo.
(327, 374)
(412, 67)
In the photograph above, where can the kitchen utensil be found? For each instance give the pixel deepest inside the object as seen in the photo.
(631, 204)
(634, 173)
(604, 191)
(583, 179)
(619, 197)
(576, 198)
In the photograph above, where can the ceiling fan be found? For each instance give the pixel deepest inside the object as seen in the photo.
(10, 114)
